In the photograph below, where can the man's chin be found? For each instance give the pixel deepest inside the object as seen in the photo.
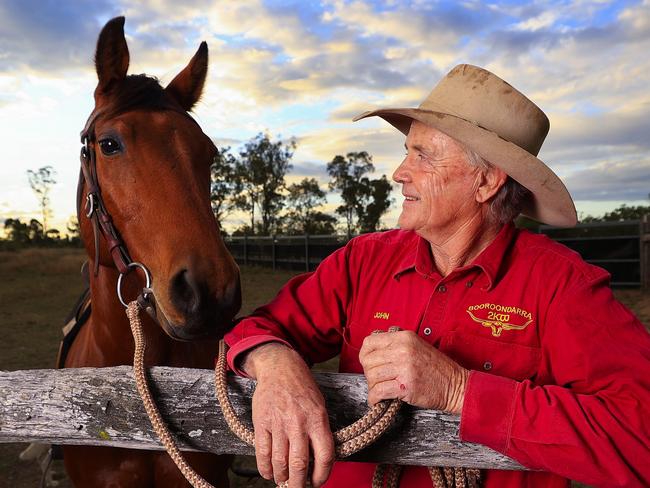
(405, 223)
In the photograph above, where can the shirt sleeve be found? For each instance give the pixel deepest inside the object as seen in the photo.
(593, 424)
(308, 314)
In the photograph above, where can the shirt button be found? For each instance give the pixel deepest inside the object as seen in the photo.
(469, 284)
(427, 331)
(442, 288)
(487, 365)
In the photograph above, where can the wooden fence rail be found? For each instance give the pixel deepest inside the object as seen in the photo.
(89, 406)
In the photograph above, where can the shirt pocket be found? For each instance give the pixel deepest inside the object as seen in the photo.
(516, 361)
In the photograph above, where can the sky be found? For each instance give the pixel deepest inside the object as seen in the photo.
(304, 69)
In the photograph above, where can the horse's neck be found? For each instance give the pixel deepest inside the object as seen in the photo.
(110, 332)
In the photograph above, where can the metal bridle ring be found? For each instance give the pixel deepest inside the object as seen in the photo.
(90, 202)
(147, 276)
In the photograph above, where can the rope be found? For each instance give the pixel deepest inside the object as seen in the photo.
(152, 411)
(348, 440)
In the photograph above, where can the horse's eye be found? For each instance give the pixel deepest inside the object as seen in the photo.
(109, 146)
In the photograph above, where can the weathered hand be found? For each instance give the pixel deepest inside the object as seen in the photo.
(289, 417)
(403, 365)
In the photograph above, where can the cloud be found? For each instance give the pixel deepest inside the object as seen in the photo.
(306, 69)
(50, 36)
(625, 180)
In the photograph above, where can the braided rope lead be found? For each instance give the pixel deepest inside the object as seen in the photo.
(348, 440)
(149, 405)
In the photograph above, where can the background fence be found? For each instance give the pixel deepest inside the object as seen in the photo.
(622, 248)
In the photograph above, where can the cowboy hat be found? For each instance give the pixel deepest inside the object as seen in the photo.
(480, 110)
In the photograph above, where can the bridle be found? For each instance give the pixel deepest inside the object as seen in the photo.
(95, 210)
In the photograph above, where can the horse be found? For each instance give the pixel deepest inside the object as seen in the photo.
(146, 182)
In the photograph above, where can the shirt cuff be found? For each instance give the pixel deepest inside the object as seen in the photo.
(245, 345)
(487, 412)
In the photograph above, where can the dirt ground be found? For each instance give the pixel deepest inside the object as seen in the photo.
(37, 287)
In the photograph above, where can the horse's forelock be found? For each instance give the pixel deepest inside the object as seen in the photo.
(138, 92)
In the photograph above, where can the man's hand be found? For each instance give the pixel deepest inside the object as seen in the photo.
(289, 417)
(403, 365)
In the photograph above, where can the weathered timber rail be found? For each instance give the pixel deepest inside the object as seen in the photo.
(89, 406)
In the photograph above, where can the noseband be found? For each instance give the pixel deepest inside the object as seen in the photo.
(95, 210)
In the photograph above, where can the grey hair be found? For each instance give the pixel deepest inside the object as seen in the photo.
(509, 201)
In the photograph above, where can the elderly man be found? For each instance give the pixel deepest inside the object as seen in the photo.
(508, 329)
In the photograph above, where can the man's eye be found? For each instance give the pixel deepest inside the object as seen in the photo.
(109, 146)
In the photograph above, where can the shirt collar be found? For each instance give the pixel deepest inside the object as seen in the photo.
(490, 261)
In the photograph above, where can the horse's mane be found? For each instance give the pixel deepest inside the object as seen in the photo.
(139, 92)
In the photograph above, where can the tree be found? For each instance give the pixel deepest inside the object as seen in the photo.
(377, 196)
(364, 200)
(41, 182)
(261, 169)
(302, 217)
(36, 231)
(74, 230)
(17, 231)
(623, 212)
(224, 184)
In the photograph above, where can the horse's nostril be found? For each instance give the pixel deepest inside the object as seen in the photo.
(185, 292)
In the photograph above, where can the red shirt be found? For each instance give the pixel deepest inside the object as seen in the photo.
(561, 370)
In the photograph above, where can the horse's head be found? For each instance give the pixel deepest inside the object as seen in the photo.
(153, 172)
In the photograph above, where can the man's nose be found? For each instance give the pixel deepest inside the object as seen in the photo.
(401, 173)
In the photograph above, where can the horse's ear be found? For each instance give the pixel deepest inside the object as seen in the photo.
(187, 86)
(112, 56)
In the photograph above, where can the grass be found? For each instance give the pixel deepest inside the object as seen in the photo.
(39, 286)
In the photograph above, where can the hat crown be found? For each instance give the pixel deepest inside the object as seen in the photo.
(482, 98)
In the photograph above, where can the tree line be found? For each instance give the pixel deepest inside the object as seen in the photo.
(253, 181)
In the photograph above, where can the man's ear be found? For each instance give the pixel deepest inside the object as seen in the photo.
(111, 56)
(491, 180)
(187, 86)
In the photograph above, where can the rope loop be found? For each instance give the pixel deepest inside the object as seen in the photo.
(348, 440)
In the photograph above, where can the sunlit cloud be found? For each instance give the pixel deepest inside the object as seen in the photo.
(304, 69)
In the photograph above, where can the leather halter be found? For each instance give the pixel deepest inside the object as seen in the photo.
(95, 208)
(101, 219)
(98, 214)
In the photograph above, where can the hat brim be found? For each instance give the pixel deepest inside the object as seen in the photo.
(551, 203)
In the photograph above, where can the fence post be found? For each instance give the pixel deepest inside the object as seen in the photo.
(273, 250)
(644, 254)
(245, 249)
(307, 253)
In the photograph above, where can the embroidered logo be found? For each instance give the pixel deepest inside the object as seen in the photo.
(381, 315)
(498, 317)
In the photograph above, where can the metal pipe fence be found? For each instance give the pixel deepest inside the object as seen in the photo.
(615, 246)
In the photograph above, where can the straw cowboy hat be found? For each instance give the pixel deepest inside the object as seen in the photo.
(499, 123)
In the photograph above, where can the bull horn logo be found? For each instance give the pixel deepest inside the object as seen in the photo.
(497, 326)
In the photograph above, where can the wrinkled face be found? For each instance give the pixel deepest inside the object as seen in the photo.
(438, 183)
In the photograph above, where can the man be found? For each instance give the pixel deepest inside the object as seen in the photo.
(506, 328)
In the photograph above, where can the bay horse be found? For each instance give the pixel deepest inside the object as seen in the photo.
(146, 178)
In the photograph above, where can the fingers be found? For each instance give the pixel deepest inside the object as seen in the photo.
(382, 372)
(374, 342)
(324, 454)
(298, 460)
(386, 390)
(263, 453)
(279, 458)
